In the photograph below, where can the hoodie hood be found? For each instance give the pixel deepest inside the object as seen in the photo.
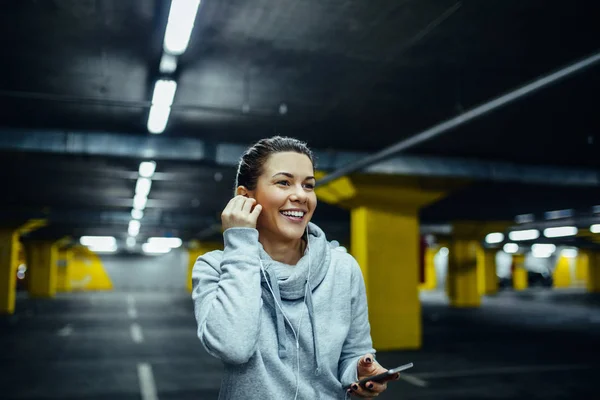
(296, 282)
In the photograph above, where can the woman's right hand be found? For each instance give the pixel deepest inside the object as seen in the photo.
(239, 213)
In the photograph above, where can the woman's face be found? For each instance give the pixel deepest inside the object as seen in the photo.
(286, 192)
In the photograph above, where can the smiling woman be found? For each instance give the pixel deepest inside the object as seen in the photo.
(279, 281)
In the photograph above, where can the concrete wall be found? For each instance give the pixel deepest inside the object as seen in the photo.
(143, 273)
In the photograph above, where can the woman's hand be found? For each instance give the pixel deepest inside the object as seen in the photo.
(239, 213)
(367, 366)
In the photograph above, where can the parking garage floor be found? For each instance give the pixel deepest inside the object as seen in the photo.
(531, 345)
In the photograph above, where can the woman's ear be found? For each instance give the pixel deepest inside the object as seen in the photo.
(242, 191)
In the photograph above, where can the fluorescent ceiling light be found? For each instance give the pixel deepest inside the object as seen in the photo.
(595, 228)
(98, 240)
(142, 186)
(131, 242)
(171, 242)
(151, 248)
(137, 214)
(164, 92)
(524, 218)
(510, 248)
(560, 231)
(168, 64)
(495, 237)
(158, 118)
(134, 227)
(542, 250)
(569, 253)
(180, 24)
(528, 234)
(103, 249)
(139, 201)
(147, 168)
(557, 214)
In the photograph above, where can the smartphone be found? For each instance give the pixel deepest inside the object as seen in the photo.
(387, 374)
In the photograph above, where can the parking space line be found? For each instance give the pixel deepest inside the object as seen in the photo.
(132, 312)
(147, 384)
(413, 380)
(502, 371)
(136, 333)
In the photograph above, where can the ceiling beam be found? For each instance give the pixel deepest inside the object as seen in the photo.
(158, 147)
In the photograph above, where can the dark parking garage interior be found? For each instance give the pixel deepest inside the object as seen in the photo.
(457, 154)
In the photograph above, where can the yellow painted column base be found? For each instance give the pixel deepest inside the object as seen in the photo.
(430, 277)
(593, 282)
(487, 278)
(561, 276)
(9, 245)
(42, 258)
(196, 250)
(519, 273)
(462, 274)
(386, 246)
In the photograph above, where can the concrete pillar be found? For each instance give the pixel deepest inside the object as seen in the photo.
(519, 273)
(9, 245)
(472, 269)
(462, 273)
(487, 277)
(63, 276)
(593, 270)
(430, 274)
(42, 259)
(196, 250)
(385, 242)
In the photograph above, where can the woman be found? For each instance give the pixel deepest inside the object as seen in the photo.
(283, 308)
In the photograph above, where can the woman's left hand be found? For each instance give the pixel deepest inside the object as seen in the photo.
(367, 366)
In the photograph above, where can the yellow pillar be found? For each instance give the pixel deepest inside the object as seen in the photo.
(63, 275)
(582, 268)
(519, 272)
(462, 273)
(9, 247)
(593, 271)
(42, 258)
(471, 269)
(487, 278)
(385, 243)
(386, 246)
(430, 276)
(561, 275)
(196, 250)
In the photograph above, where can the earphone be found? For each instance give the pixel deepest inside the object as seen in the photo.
(296, 334)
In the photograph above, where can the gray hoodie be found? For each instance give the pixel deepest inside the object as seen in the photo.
(244, 303)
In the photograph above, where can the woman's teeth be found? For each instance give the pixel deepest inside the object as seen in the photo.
(295, 214)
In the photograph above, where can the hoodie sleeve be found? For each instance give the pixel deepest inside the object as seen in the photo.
(358, 341)
(228, 302)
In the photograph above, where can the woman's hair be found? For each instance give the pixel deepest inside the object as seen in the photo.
(252, 162)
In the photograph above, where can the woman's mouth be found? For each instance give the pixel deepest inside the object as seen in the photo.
(293, 216)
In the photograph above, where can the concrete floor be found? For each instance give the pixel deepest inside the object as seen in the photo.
(533, 345)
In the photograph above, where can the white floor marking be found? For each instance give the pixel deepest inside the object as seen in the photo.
(130, 300)
(66, 331)
(413, 380)
(136, 333)
(147, 385)
(132, 312)
(501, 371)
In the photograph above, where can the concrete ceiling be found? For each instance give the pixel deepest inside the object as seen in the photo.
(352, 76)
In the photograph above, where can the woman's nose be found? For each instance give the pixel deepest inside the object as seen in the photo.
(299, 194)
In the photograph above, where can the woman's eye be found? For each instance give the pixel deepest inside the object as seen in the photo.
(286, 183)
(309, 185)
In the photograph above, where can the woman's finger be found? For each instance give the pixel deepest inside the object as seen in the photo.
(375, 387)
(364, 393)
(247, 205)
